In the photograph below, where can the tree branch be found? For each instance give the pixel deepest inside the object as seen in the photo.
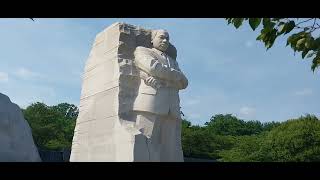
(313, 28)
(314, 22)
(310, 28)
(304, 21)
(298, 27)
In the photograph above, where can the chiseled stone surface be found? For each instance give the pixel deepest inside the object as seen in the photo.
(129, 106)
(16, 141)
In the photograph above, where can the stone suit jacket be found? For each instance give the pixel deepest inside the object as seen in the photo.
(162, 100)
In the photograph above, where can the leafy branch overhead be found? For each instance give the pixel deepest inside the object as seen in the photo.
(301, 34)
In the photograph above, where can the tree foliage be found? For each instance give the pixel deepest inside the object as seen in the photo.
(224, 137)
(227, 138)
(230, 125)
(52, 126)
(199, 142)
(301, 34)
(220, 135)
(293, 140)
(245, 149)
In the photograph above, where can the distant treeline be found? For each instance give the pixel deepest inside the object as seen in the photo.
(227, 138)
(223, 138)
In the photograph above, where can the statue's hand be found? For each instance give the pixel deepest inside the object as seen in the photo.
(153, 82)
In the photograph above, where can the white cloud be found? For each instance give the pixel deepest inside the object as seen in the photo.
(26, 73)
(4, 77)
(249, 44)
(304, 92)
(247, 111)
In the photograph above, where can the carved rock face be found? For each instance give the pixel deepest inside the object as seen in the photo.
(161, 40)
(16, 139)
(111, 126)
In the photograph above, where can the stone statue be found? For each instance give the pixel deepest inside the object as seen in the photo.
(157, 104)
(129, 106)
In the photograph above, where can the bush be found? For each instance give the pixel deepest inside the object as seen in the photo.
(294, 140)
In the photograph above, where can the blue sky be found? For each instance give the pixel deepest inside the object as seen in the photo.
(228, 70)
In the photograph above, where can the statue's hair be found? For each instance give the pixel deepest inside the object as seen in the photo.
(154, 32)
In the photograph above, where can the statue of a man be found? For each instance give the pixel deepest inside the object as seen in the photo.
(157, 105)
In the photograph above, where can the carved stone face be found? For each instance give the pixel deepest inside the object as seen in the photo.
(161, 40)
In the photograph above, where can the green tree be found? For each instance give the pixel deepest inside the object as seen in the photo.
(245, 149)
(185, 123)
(302, 34)
(225, 125)
(52, 127)
(68, 110)
(230, 125)
(200, 142)
(268, 126)
(294, 140)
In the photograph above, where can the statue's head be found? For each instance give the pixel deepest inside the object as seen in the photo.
(160, 39)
